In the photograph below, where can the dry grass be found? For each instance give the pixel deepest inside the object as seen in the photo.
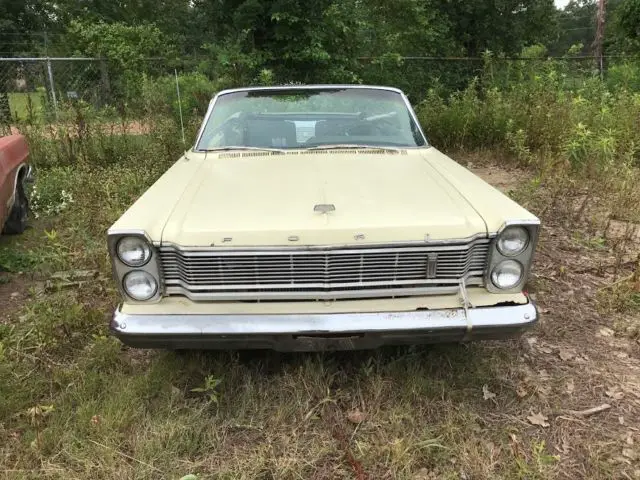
(75, 404)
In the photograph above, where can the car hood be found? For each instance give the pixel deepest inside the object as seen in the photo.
(261, 199)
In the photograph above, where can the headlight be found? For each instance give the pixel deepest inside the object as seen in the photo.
(133, 251)
(507, 274)
(513, 241)
(140, 285)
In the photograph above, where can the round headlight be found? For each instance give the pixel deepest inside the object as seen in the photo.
(513, 241)
(140, 285)
(507, 274)
(133, 251)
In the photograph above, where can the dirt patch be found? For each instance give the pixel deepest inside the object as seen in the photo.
(626, 235)
(132, 127)
(587, 361)
(583, 355)
(13, 294)
(504, 180)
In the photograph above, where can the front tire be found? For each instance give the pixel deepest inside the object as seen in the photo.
(17, 221)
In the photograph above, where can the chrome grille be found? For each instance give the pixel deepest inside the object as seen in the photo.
(321, 273)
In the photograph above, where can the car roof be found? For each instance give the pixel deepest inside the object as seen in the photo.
(311, 87)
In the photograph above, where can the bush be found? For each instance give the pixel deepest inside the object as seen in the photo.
(159, 96)
(590, 126)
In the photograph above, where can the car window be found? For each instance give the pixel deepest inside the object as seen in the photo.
(308, 118)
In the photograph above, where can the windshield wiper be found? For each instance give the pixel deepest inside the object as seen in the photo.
(351, 146)
(240, 147)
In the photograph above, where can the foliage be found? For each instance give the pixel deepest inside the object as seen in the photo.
(18, 20)
(172, 17)
(125, 45)
(499, 25)
(627, 25)
(577, 24)
(296, 40)
(159, 96)
(590, 127)
(210, 389)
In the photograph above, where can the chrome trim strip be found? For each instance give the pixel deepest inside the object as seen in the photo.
(152, 327)
(222, 296)
(29, 177)
(205, 120)
(311, 87)
(123, 232)
(288, 248)
(510, 223)
(417, 122)
(313, 250)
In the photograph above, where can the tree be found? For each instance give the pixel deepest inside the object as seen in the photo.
(123, 44)
(172, 17)
(21, 24)
(503, 26)
(625, 27)
(19, 19)
(295, 39)
(577, 28)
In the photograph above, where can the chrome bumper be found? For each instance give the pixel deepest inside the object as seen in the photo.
(315, 332)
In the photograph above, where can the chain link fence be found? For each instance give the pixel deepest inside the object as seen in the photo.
(37, 90)
(31, 89)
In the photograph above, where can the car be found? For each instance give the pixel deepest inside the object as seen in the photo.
(319, 218)
(15, 173)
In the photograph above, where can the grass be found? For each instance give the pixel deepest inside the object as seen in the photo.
(76, 404)
(275, 416)
(29, 105)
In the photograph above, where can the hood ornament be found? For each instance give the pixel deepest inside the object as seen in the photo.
(324, 208)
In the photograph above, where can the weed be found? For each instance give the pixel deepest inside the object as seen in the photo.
(209, 388)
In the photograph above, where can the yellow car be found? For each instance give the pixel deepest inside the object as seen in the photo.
(319, 217)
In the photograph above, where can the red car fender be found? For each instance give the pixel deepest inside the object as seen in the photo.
(14, 153)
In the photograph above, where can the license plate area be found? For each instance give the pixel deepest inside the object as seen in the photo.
(318, 342)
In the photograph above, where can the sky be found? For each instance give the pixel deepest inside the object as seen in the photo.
(561, 3)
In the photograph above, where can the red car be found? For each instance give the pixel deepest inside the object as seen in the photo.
(14, 173)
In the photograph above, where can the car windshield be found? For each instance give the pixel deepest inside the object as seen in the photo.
(310, 118)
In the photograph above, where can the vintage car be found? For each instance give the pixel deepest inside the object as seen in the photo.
(319, 217)
(15, 172)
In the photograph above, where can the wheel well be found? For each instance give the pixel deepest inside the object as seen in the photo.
(20, 176)
(22, 172)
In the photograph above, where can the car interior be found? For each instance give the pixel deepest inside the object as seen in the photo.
(305, 130)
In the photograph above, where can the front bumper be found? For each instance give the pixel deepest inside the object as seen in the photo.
(314, 332)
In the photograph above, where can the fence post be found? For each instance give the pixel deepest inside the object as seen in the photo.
(52, 86)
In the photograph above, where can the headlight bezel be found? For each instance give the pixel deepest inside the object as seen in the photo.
(121, 268)
(524, 257)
